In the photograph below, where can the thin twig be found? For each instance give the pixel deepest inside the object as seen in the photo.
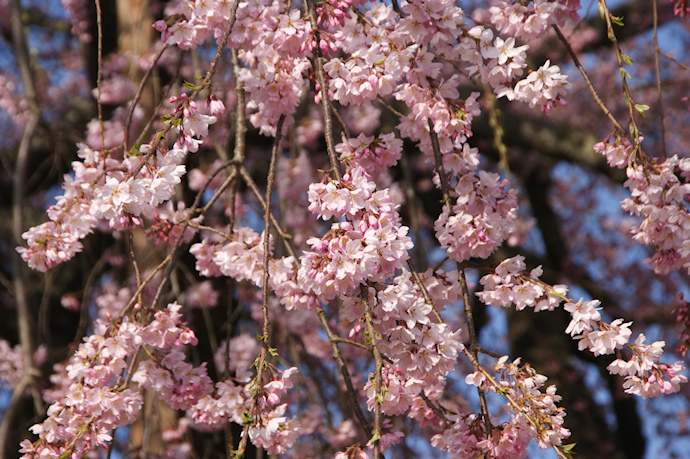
(658, 78)
(231, 180)
(445, 186)
(267, 224)
(323, 86)
(389, 107)
(438, 159)
(99, 75)
(427, 298)
(378, 396)
(258, 379)
(133, 256)
(342, 366)
(276, 224)
(474, 345)
(497, 130)
(19, 284)
(632, 107)
(674, 60)
(435, 409)
(137, 96)
(588, 82)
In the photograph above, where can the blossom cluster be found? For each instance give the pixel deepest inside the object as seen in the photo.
(507, 286)
(644, 374)
(269, 428)
(275, 47)
(93, 399)
(617, 151)
(660, 197)
(421, 350)
(537, 416)
(530, 20)
(119, 192)
(371, 244)
(374, 155)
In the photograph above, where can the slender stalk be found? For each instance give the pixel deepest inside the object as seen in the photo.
(438, 159)
(378, 396)
(19, 280)
(588, 82)
(445, 186)
(497, 130)
(674, 60)
(276, 224)
(99, 75)
(427, 298)
(258, 380)
(634, 129)
(342, 366)
(474, 345)
(19, 286)
(658, 78)
(323, 86)
(137, 96)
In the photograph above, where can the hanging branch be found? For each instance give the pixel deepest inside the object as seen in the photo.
(588, 82)
(323, 86)
(261, 361)
(658, 78)
(342, 366)
(445, 186)
(378, 395)
(137, 96)
(19, 280)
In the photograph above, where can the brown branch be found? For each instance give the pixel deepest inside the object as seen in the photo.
(276, 224)
(674, 60)
(474, 345)
(658, 78)
(267, 225)
(435, 409)
(342, 366)
(378, 396)
(438, 159)
(445, 186)
(323, 86)
(137, 96)
(258, 379)
(427, 298)
(19, 284)
(99, 77)
(19, 268)
(588, 82)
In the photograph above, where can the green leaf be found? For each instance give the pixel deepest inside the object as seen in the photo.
(568, 449)
(273, 351)
(641, 109)
(192, 86)
(625, 74)
(617, 20)
(627, 59)
(602, 10)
